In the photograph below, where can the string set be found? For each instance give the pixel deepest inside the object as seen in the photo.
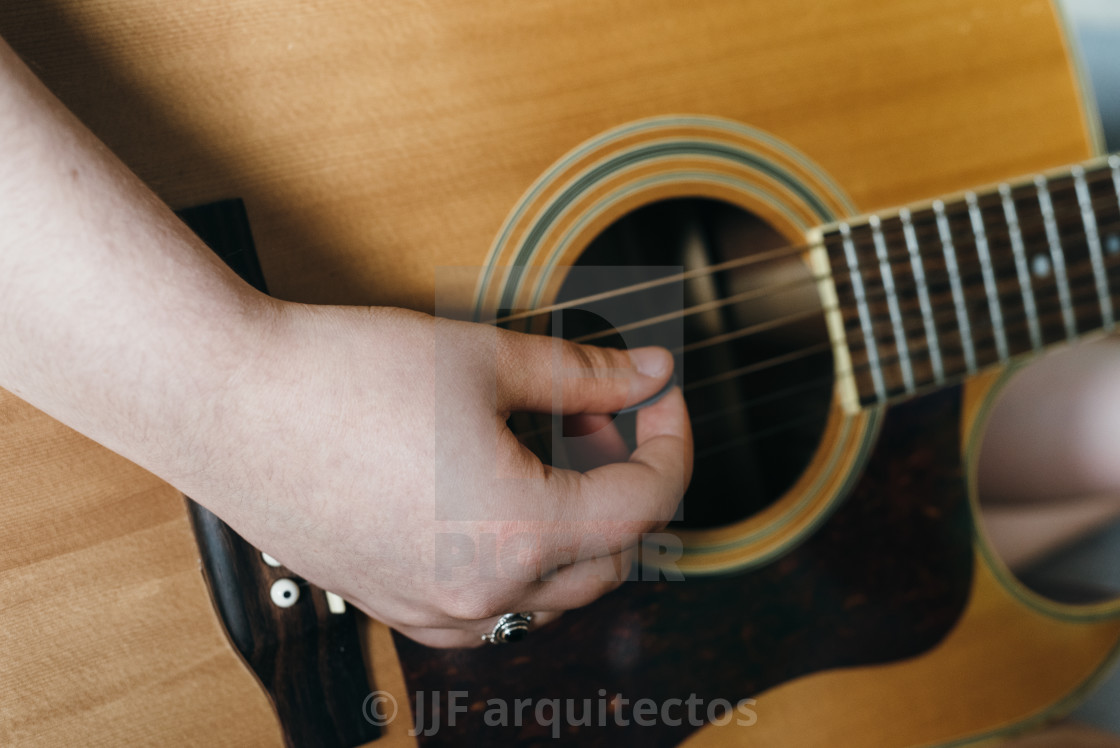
(1033, 231)
(926, 232)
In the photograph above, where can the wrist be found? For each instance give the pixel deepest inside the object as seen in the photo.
(196, 399)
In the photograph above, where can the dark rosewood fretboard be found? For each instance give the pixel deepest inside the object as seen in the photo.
(929, 294)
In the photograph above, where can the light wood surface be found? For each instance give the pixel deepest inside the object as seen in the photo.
(108, 633)
(375, 142)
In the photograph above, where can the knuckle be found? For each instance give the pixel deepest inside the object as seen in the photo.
(626, 534)
(441, 638)
(594, 588)
(580, 356)
(522, 551)
(414, 619)
(593, 357)
(470, 607)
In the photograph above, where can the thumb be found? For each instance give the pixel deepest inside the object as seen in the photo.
(540, 374)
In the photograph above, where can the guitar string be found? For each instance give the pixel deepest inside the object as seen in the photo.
(885, 358)
(1060, 211)
(756, 367)
(1079, 293)
(973, 273)
(1015, 322)
(789, 424)
(973, 278)
(1029, 229)
(743, 404)
(745, 439)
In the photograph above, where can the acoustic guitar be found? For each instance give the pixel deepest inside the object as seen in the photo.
(865, 212)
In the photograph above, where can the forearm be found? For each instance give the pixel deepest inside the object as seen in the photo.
(113, 317)
(325, 434)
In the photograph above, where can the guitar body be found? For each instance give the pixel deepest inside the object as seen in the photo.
(374, 143)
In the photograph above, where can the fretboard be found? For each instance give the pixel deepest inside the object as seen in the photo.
(932, 293)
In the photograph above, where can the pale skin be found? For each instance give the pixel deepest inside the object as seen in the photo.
(315, 432)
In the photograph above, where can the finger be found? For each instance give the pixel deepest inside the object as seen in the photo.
(441, 638)
(586, 424)
(667, 419)
(584, 582)
(621, 501)
(550, 375)
(470, 633)
(590, 440)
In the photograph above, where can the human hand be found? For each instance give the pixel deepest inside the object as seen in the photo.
(367, 449)
(349, 443)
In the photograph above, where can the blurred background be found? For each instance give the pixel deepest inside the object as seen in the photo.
(1094, 561)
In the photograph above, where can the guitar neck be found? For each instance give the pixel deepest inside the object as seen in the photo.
(932, 293)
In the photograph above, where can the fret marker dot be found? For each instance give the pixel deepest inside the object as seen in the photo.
(1040, 265)
(1112, 244)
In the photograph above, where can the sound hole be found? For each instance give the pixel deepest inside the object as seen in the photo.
(750, 341)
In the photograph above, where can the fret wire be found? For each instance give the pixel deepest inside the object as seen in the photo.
(1014, 321)
(899, 262)
(1060, 209)
(1076, 294)
(1071, 203)
(989, 277)
(950, 253)
(923, 296)
(946, 310)
(1011, 217)
(1092, 238)
(898, 259)
(892, 304)
(967, 279)
(1057, 256)
(864, 313)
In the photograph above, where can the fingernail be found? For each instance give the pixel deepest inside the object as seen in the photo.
(652, 362)
(653, 398)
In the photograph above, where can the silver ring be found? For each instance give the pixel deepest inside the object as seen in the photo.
(511, 627)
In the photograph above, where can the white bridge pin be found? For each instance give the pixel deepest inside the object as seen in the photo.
(284, 593)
